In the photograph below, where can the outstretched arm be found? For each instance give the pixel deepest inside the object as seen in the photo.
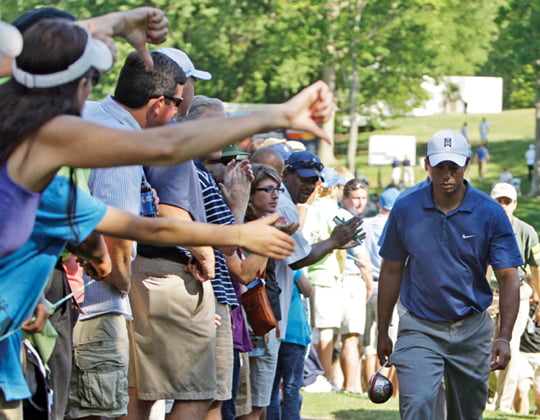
(258, 236)
(342, 236)
(69, 141)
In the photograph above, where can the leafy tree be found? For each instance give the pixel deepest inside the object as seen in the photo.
(516, 55)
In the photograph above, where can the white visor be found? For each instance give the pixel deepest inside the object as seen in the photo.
(96, 54)
(11, 44)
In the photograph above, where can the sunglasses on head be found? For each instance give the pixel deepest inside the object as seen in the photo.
(306, 164)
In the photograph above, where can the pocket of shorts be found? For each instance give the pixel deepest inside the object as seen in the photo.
(102, 381)
(102, 389)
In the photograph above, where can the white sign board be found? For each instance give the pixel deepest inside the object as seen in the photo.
(383, 150)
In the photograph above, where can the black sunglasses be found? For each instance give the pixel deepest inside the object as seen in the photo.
(177, 101)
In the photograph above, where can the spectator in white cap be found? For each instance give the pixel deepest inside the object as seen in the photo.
(436, 247)
(192, 75)
(527, 239)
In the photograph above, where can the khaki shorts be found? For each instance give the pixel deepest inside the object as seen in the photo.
(173, 333)
(10, 410)
(243, 398)
(341, 307)
(100, 365)
(224, 353)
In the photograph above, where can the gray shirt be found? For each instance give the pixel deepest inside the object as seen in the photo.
(284, 274)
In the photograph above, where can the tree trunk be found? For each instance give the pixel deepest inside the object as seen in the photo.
(326, 151)
(536, 171)
(354, 87)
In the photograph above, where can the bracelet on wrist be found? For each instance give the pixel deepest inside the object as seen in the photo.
(502, 340)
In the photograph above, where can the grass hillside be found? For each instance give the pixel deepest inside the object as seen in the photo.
(509, 138)
(510, 135)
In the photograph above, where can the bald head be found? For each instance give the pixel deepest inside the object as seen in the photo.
(270, 157)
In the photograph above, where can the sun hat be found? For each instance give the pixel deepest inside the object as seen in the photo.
(96, 54)
(306, 164)
(183, 60)
(504, 189)
(448, 145)
(12, 43)
(232, 150)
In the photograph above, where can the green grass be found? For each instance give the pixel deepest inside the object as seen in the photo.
(351, 407)
(510, 135)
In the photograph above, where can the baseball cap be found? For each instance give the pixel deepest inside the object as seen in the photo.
(504, 189)
(232, 150)
(283, 149)
(388, 198)
(305, 163)
(448, 145)
(331, 178)
(12, 43)
(183, 60)
(96, 54)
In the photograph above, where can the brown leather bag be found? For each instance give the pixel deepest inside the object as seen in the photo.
(258, 311)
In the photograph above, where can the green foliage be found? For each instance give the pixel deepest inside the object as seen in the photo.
(265, 50)
(515, 51)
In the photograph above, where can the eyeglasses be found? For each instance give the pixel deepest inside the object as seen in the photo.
(271, 190)
(177, 101)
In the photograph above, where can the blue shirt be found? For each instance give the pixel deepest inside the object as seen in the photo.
(447, 254)
(298, 329)
(24, 274)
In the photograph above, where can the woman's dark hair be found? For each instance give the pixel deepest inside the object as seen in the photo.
(260, 173)
(50, 45)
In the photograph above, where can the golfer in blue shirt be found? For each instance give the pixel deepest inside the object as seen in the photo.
(437, 245)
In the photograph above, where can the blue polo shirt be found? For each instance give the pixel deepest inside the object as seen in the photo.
(447, 254)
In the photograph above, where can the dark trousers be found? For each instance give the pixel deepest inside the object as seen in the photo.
(289, 378)
(63, 321)
(228, 408)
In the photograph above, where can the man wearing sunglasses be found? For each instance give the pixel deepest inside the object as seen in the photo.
(302, 172)
(141, 99)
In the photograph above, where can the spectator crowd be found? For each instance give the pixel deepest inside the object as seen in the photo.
(123, 284)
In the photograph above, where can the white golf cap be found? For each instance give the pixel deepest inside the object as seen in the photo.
(96, 54)
(11, 44)
(183, 60)
(504, 189)
(448, 145)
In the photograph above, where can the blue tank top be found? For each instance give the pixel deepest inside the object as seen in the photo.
(17, 213)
